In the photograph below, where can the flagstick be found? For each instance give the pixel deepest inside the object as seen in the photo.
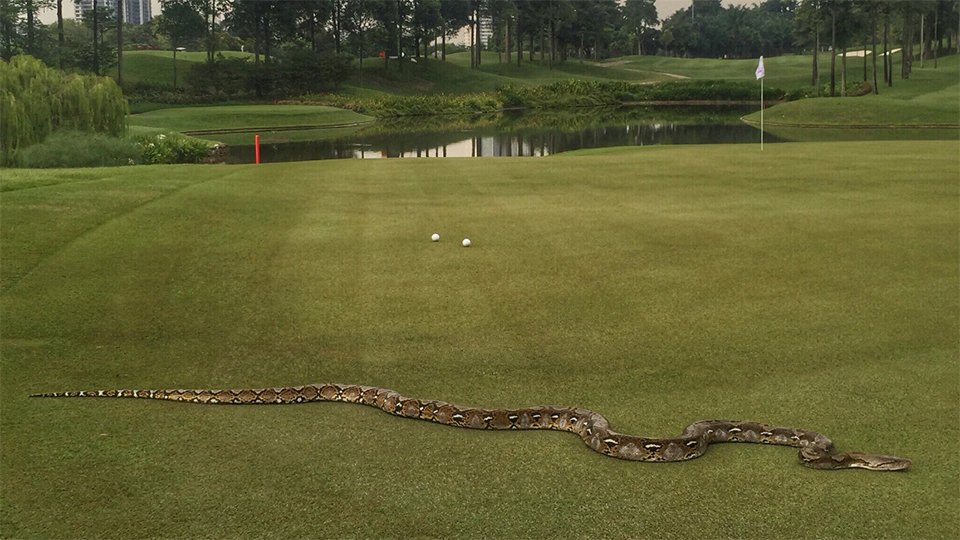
(761, 114)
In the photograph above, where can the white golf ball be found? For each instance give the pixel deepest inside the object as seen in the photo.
(466, 242)
(435, 237)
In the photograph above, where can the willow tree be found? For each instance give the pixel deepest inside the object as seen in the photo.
(36, 100)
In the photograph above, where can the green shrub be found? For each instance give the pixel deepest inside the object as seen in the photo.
(165, 95)
(559, 95)
(854, 89)
(84, 149)
(79, 149)
(222, 76)
(298, 71)
(392, 106)
(291, 72)
(173, 148)
(577, 93)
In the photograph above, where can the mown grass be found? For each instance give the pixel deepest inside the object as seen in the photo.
(243, 116)
(801, 286)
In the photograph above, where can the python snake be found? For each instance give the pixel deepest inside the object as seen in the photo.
(816, 450)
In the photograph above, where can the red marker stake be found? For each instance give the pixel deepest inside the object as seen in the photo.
(256, 148)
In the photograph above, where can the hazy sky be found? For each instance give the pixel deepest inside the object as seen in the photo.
(665, 8)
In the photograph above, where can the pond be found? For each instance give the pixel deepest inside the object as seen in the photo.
(522, 134)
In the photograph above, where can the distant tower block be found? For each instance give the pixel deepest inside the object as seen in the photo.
(134, 11)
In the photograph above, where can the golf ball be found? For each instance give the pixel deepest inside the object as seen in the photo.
(435, 237)
(466, 242)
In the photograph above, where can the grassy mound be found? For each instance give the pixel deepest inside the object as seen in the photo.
(928, 98)
(156, 67)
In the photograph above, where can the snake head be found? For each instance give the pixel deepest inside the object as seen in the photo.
(876, 462)
(820, 458)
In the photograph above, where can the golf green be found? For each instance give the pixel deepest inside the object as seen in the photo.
(810, 285)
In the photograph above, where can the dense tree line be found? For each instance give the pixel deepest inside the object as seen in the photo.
(330, 35)
(880, 27)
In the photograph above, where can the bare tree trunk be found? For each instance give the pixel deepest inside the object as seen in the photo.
(873, 47)
(833, 52)
(211, 29)
(936, 35)
(543, 45)
(476, 18)
(266, 38)
(96, 46)
(60, 37)
(335, 19)
(519, 42)
(553, 43)
(843, 73)
(399, 35)
(30, 39)
(120, 42)
(887, 59)
(864, 62)
(443, 47)
(507, 35)
(815, 79)
(256, 39)
(922, 43)
(906, 53)
(7, 38)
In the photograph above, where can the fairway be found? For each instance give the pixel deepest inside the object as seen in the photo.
(812, 285)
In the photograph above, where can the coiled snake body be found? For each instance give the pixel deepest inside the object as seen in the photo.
(816, 450)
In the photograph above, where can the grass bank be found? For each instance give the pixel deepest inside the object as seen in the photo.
(197, 120)
(788, 72)
(658, 286)
(930, 98)
(427, 75)
(156, 67)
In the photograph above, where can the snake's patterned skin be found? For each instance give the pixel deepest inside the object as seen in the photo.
(816, 450)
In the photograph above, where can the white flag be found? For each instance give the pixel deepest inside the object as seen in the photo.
(760, 72)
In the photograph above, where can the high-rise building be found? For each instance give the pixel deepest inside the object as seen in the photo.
(137, 11)
(81, 6)
(134, 11)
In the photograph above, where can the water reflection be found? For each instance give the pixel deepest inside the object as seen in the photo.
(493, 141)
